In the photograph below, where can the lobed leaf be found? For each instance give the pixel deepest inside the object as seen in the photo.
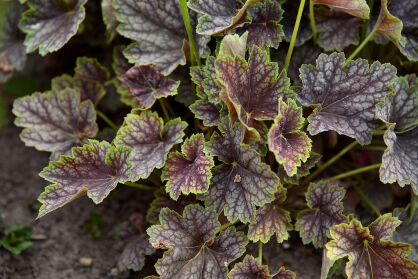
(249, 268)
(134, 252)
(206, 111)
(194, 251)
(94, 169)
(325, 210)
(89, 69)
(55, 121)
(400, 113)
(264, 29)
(370, 255)
(344, 98)
(188, 171)
(389, 25)
(289, 144)
(407, 232)
(231, 45)
(254, 88)
(49, 25)
(242, 181)
(301, 171)
(158, 31)
(147, 84)
(357, 8)
(149, 139)
(284, 273)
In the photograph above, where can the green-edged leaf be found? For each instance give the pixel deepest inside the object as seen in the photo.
(207, 111)
(133, 255)
(242, 181)
(55, 121)
(357, 8)
(407, 232)
(147, 84)
(370, 255)
(194, 251)
(344, 98)
(109, 19)
(231, 45)
(89, 69)
(324, 201)
(249, 268)
(400, 113)
(290, 145)
(289, 18)
(162, 199)
(49, 25)
(218, 15)
(389, 25)
(264, 29)
(407, 12)
(149, 139)
(94, 169)
(210, 84)
(12, 50)
(301, 171)
(158, 29)
(120, 66)
(284, 273)
(271, 219)
(254, 88)
(188, 171)
(337, 30)
(89, 90)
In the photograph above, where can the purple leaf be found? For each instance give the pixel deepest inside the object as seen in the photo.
(344, 98)
(90, 69)
(147, 84)
(301, 171)
(133, 254)
(189, 171)
(249, 268)
(194, 251)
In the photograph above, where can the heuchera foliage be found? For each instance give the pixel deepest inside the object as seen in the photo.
(238, 117)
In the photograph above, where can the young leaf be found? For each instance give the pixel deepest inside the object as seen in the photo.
(94, 169)
(271, 219)
(149, 139)
(289, 144)
(289, 17)
(337, 30)
(159, 32)
(254, 88)
(194, 251)
(12, 50)
(344, 98)
(324, 201)
(357, 8)
(370, 255)
(249, 268)
(242, 181)
(55, 121)
(231, 45)
(400, 113)
(133, 255)
(89, 69)
(264, 29)
(147, 84)
(189, 171)
(218, 15)
(301, 171)
(49, 25)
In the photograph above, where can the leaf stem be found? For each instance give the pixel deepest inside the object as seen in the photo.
(330, 162)
(354, 172)
(260, 253)
(366, 22)
(359, 48)
(373, 147)
(140, 186)
(366, 199)
(186, 20)
(378, 133)
(164, 108)
(294, 34)
(312, 19)
(107, 120)
(227, 225)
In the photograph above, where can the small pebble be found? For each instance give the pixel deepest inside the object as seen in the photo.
(86, 261)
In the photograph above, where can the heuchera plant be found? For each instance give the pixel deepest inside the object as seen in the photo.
(248, 119)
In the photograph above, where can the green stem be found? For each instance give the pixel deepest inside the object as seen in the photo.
(227, 225)
(140, 186)
(366, 199)
(378, 133)
(330, 161)
(354, 172)
(186, 20)
(165, 111)
(294, 34)
(107, 120)
(312, 19)
(154, 181)
(260, 253)
(374, 148)
(366, 23)
(359, 48)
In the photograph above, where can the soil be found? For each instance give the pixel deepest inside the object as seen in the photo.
(63, 238)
